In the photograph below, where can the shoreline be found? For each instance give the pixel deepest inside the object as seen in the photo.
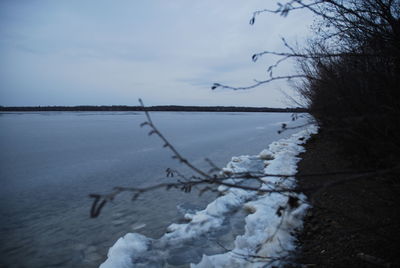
(158, 108)
(352, 224)
(270, 218)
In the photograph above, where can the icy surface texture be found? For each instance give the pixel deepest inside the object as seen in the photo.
(269, 225)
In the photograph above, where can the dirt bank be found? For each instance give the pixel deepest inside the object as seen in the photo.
(352, 224)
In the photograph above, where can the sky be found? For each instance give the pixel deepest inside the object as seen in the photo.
(102, 52)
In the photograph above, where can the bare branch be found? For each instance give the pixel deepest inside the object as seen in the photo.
(259, 83)
(167, 144)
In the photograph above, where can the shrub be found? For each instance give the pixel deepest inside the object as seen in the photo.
(352, 78)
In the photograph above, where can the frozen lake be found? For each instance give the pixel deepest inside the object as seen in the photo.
(51, 161)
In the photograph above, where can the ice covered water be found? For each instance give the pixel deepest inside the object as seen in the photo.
(50, 162)
(268, 229)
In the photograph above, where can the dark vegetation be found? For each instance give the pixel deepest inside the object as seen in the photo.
(160, 108)
(352, 83)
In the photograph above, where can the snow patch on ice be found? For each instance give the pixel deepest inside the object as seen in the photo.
(268, 237)
(121, 254)
(268, 228)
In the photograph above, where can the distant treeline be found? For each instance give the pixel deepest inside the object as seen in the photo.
(166, 108)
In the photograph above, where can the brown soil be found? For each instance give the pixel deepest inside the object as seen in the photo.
(352, 224)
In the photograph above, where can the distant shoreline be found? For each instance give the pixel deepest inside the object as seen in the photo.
(160, 108)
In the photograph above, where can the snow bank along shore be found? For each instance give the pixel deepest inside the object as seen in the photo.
(269, 225)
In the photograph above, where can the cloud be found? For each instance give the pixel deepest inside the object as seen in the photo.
(167, 52)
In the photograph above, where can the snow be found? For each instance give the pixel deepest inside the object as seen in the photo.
(124, 248)
(269, 226)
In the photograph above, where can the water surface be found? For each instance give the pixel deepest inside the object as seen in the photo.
(51, 161)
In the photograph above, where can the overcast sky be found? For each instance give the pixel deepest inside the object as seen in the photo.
(163, 51)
